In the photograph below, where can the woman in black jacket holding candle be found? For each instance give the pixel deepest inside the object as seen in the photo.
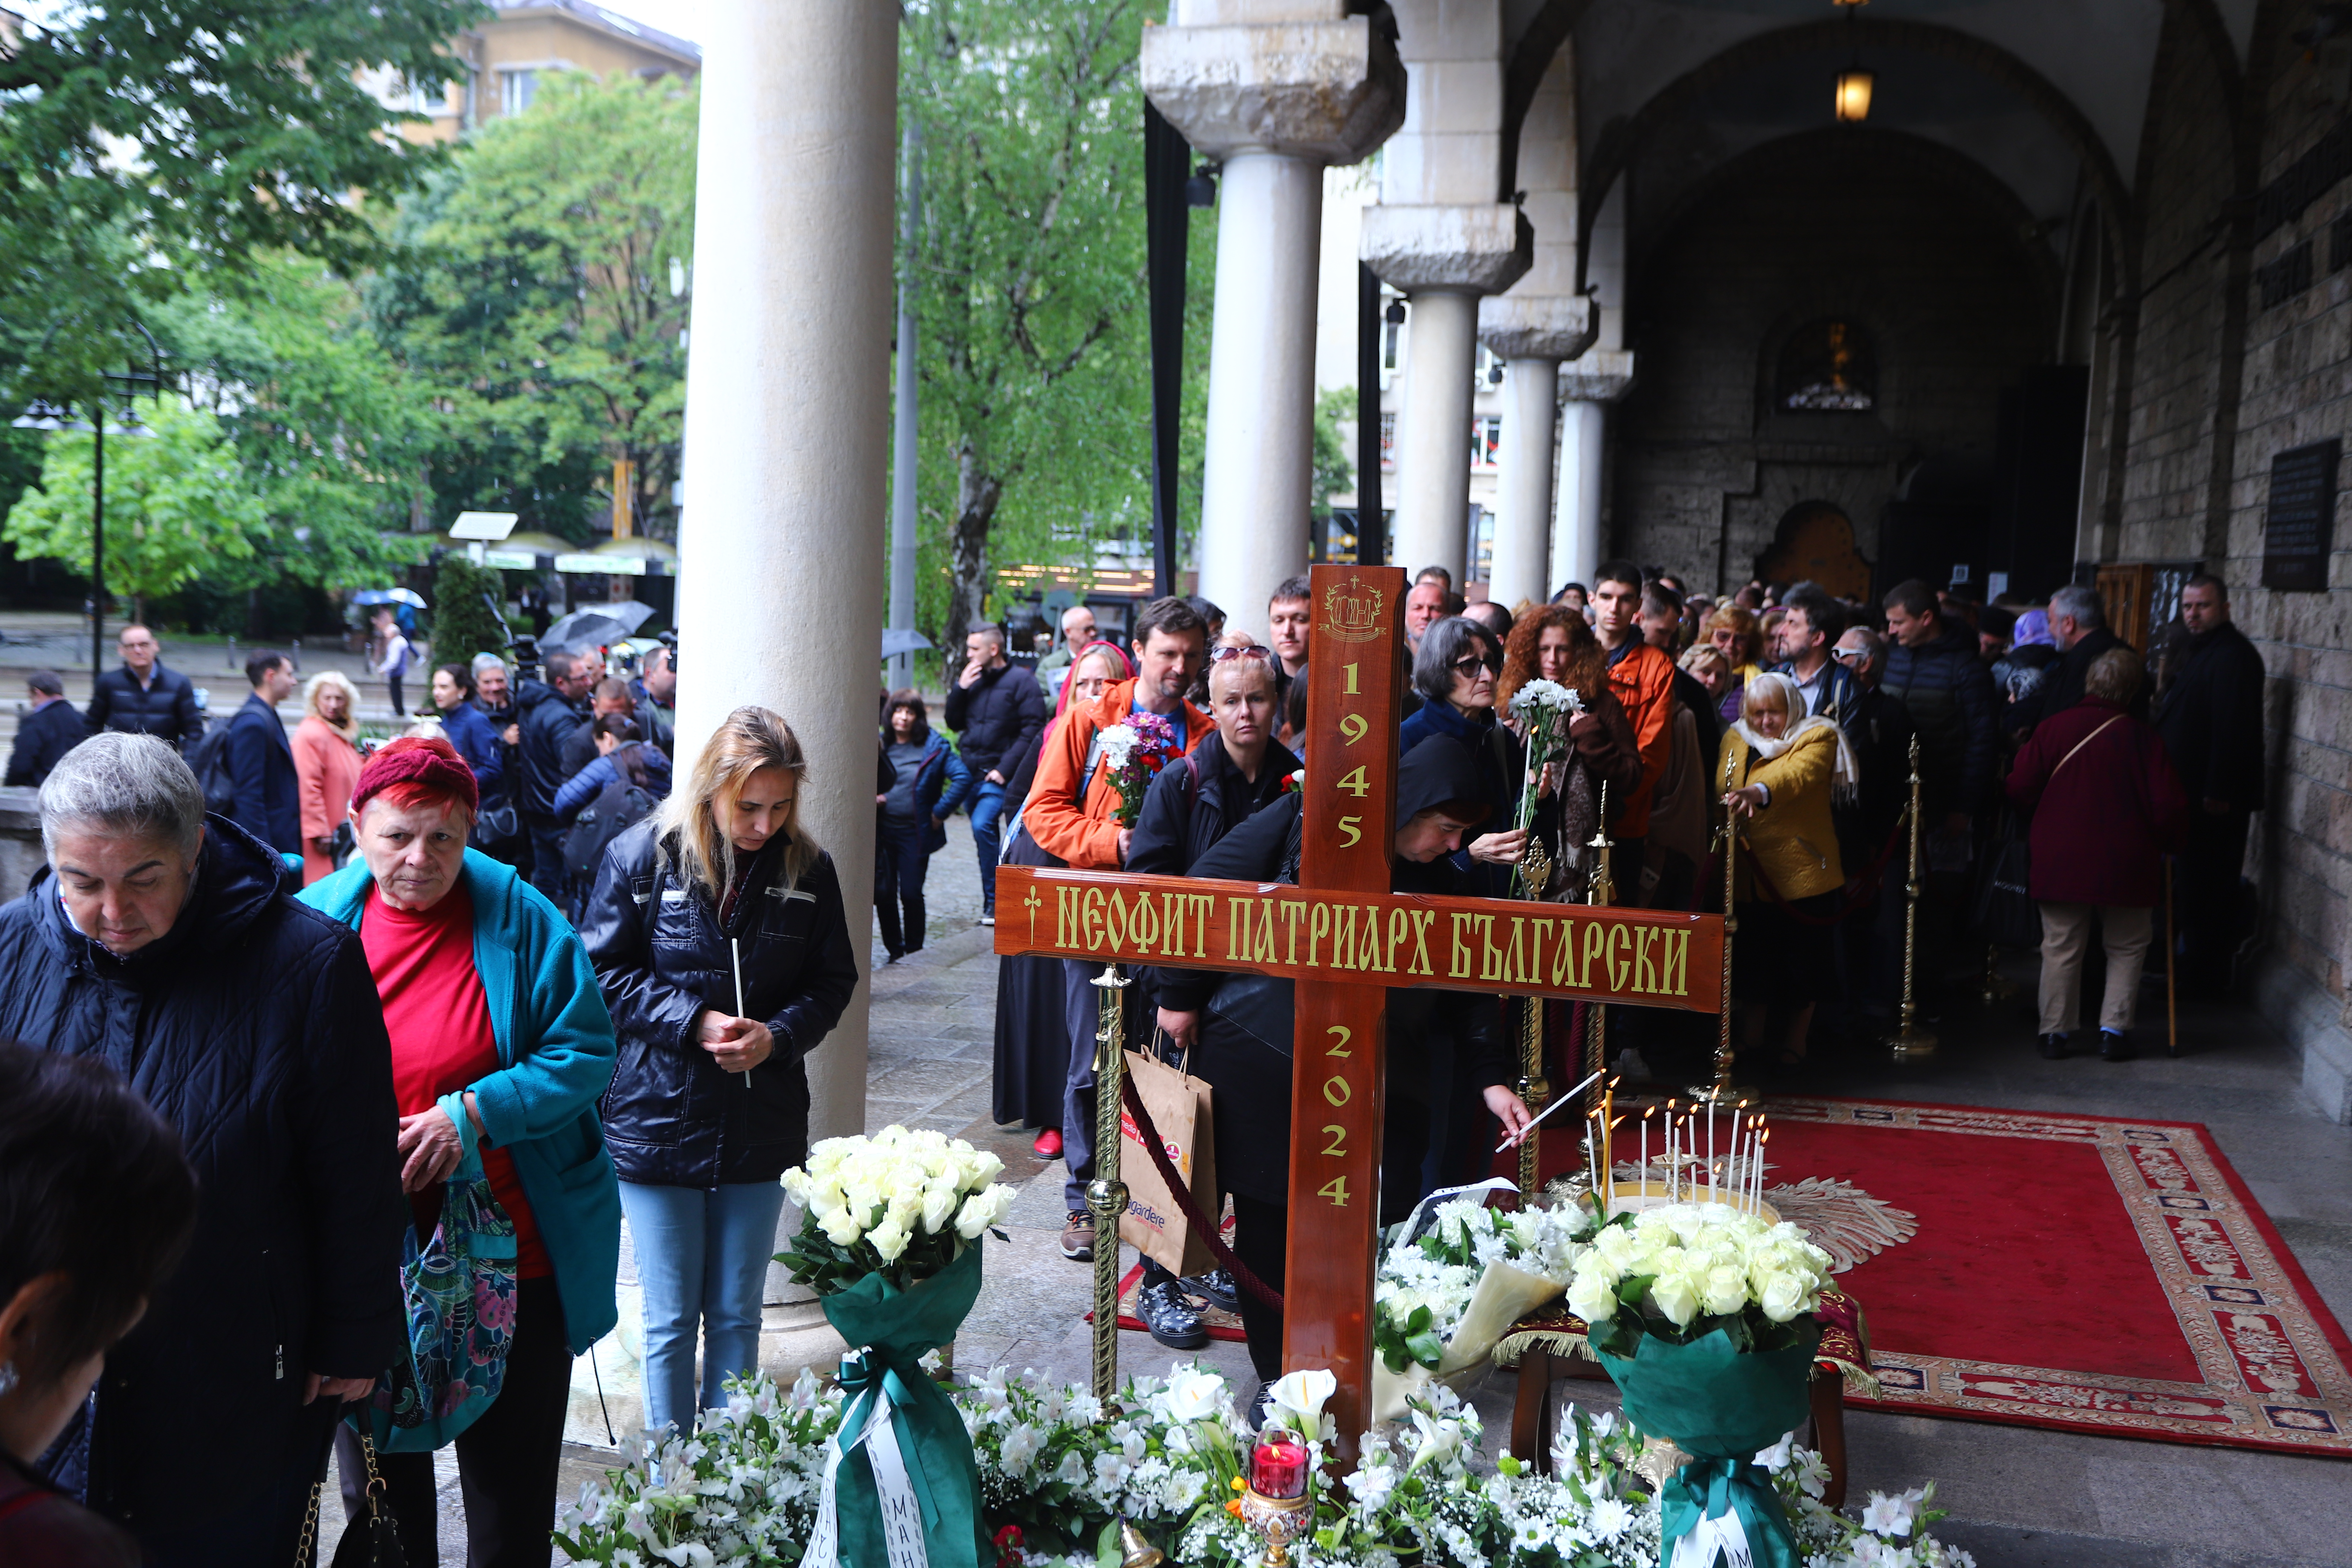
(717, 932)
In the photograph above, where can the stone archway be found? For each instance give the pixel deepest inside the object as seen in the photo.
(1815, 542)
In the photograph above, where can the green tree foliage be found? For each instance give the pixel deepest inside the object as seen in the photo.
(537, 303)
(149, 146)
(1033, 345)
(463, 624)
(177, 505)
(331, 434)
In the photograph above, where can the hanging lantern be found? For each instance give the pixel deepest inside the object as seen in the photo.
(1853, 95)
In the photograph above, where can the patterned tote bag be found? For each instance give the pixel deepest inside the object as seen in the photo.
(460, 1293)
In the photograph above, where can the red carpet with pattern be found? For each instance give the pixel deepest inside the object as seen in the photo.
(2090, 1273)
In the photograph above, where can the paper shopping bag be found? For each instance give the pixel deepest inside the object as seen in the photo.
(1155, 1224)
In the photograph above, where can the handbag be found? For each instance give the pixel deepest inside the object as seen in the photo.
(459, 1290)
(496, 824)
(1179, 1108)
(371, 1540)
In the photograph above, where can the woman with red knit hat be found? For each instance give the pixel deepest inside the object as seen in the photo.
(500, 1045)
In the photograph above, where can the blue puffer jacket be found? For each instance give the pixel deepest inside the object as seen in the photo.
(1946, 689)
(555, 1056)
(943, 784)
(480, 744)
(251, 1027)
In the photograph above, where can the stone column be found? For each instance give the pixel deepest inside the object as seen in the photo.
(1532, 333)
(782, 546)
(1444, 258)
(1276, 101)
(1589, 385)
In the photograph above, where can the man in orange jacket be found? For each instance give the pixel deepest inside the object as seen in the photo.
(1643, 680)
(1073, 814)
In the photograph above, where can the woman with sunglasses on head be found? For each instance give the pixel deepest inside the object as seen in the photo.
(1455, 673)
(1236, 771)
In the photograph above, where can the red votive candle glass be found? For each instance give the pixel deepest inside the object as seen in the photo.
(1278, 1468)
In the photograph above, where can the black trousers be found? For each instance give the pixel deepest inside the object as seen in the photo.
(900, 864)
(2205, 897)
(506, 1461)
(1262, 1229)
(546, 872)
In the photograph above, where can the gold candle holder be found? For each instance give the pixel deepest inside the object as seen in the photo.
(1910, 1041)
(1107, 1194)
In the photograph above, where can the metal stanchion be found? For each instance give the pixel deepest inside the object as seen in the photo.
(1995, 986)
(1107, 1194)
(1720, 1086)
(1534, 1088)
(1600, 888)
(1910, 1040)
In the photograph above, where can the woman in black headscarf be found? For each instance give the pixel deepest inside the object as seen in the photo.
(1241, 1026)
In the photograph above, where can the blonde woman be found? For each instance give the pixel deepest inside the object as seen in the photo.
(709, 1103)
(327, 761)
(1780, 769)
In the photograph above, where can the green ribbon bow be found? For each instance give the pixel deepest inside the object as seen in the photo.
(1721, 1405)
(895, 1329)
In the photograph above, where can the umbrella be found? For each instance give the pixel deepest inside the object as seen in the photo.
(389, 596)
(586, 629)
(630, 613)
(894, 643)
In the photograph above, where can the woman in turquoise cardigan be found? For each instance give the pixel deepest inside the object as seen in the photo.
(500, 1047)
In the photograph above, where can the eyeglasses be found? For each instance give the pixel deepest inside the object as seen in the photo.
(1468, 669)
(1849, 655)
(1220, 655)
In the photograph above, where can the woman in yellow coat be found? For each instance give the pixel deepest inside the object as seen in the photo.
(1780, 770)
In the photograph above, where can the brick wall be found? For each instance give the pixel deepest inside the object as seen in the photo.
(1878, 228)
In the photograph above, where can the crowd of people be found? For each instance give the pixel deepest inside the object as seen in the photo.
(1785, 710)
(278, 1071)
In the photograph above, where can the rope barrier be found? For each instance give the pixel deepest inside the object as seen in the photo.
(1156, 1147)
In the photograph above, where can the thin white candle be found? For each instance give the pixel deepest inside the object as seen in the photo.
(1732, 1166)
(1645, 1151)
(1714, 1192)
(1592, 1163)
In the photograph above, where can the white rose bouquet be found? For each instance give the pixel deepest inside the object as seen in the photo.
(901, 1204)
(1703, 1314)
(888, 1241)
(1689, 1270)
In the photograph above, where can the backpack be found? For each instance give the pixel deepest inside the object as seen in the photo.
(208, 758)
(621, 807)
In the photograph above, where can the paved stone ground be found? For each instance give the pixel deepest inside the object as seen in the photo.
(2019, 1498)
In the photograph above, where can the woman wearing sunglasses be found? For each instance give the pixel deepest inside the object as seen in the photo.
(1455, 674)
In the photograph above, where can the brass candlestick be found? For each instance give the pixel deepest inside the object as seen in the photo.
(1910, 1041)
(1107, 1194)
(1722, 1088)
(1534, 1088)
(1995, 987)
(1600, 888)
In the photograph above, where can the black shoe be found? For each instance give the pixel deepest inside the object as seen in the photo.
(1260, 1403)
(2052, 1047)
(1170, 1318)
(1217, 1286)
(2115, 1045)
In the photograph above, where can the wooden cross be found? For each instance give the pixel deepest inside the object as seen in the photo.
(1345, 938)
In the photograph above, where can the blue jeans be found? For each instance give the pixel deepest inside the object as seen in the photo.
(702, 1259)
(987, 811)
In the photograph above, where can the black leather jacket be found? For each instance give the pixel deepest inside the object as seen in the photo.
(672, 1117)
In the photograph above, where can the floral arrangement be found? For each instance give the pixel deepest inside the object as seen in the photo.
(903, 1205)
(1683, 1270)
(1543, 709)
(1133, 754)
(1059, 1468)
(1426, 1284)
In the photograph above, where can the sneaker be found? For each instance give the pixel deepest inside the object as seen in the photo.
(2052, 1047)
(1078, 1238)
(1049, 1144)
(988, 917)
(2115, 1045)
(1217, 1286)
(1260, 1403)
(1169, 1317)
